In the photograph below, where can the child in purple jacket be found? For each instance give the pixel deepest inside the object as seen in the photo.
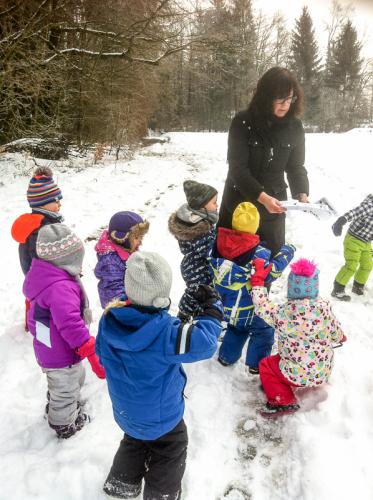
(123, 237)
(57, 320)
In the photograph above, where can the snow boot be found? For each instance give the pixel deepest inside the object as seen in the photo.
(223, 363)
(358, 288)
(115, 488)
(66, 431)
(339, 292)
(253, 371)
(270, 410)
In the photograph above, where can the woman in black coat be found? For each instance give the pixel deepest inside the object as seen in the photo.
(266, 141)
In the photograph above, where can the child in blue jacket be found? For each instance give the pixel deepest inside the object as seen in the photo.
(142, 348)
(231, 263)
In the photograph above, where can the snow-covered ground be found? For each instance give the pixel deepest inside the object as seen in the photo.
(323, 452)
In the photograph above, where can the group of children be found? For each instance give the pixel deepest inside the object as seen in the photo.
(140, 347)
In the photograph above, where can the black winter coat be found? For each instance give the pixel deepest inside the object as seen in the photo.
(258, 160)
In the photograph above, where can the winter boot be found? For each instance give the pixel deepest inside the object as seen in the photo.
(270, 410)
(339, 292)
(223, 363)
(116, 488)
(66, 431)
(253, 371)
(358, 288)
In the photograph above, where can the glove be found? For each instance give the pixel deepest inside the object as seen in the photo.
(210, 302)
(87, 350)
(338, 225)
(183, 316)
(261, 272)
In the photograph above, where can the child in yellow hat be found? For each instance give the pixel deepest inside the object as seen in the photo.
(231, 263)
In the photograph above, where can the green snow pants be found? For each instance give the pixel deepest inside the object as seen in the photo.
(359, 261)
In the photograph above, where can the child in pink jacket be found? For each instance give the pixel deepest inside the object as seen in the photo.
(307, 329)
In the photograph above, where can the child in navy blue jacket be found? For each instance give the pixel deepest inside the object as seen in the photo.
(142, 348)
(193, 225)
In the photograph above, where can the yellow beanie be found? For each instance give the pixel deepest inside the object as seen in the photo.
(246, 218)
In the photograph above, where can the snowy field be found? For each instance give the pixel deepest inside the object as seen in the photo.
(323, 452)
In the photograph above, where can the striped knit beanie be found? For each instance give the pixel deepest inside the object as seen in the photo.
(42, 189)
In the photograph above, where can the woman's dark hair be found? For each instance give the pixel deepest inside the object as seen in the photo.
(276, 83)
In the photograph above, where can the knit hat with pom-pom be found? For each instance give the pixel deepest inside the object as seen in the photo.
(42, 189)
(303, 281)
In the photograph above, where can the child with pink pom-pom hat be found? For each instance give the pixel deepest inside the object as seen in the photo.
(307, 329)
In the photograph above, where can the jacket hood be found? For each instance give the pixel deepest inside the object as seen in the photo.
(133, 329)
(230, 243)
(24, 225)
(105, 246)
(43, 274)
(184, 231)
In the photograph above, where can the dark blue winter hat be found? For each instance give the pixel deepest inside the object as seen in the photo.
(122, 223)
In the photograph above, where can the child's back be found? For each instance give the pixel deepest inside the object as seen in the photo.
(307, 329)
(57, 320)
(142, 347)
(231, 263)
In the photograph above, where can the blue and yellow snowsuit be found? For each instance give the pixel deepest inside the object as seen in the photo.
(231, 264)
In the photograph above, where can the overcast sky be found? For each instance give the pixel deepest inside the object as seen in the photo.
(362, 16)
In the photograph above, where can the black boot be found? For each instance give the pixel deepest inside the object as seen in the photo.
(66, 431)
(358, 288)
(116, 488)
(339, 292)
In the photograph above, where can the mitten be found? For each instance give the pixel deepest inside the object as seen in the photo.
(87, 350)
(338, 225)
(183, 316)
(210, 302)
(261, 272)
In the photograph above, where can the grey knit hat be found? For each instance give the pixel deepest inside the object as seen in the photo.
(58, 245)
(148, 279)
(198, 194)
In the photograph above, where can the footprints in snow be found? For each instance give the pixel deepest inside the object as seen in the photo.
(152, 203)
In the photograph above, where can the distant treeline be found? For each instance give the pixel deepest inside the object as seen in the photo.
(92, 71)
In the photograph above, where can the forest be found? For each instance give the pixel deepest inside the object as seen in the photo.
(86, 72)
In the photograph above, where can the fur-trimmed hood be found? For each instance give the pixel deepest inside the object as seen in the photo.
(184, 231)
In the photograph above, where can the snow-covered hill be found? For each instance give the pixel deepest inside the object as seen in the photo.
(323, 452)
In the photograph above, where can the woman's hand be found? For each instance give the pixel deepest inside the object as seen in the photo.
(273, 205)
(302, 197)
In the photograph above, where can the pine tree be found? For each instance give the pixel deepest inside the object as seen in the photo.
(345, 61)
(344, 77)
(305, 63)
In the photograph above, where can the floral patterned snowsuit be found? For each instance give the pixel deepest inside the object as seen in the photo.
(306, 329)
